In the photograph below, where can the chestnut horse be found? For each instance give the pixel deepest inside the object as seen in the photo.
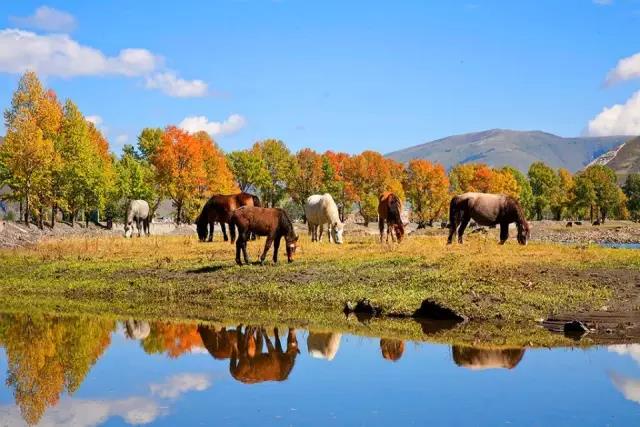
(250, 365)
(219, 342)
(487, 209)
(389, 209)
(271, 222)
(219, 209)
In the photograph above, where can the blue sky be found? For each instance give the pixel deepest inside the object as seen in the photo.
(334, 75)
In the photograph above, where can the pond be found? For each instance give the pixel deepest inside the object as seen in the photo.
(621, 245)
(68, 371)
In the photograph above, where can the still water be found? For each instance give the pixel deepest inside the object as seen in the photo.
(88, 372)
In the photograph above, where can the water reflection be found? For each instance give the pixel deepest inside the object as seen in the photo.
(481, 358)
(323, 345)
(47, 359)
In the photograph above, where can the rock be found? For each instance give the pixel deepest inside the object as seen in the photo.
(570, 224)
(362, 307)
(444, 224)
(430, 309)
(479, 230)
(575, 329)
(577, 222)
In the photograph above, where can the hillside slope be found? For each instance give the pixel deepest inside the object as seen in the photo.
(499, 147)
(626, 160)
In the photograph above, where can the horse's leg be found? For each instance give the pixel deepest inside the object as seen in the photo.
(276, 332)
(147, 224)
(315, 232)
(504, 232)
(463, 224)
(245, 237)
(212, 227)
(321, 231)
(268, 342)
(224, 230)
(452, 230)
(276, 246)
(267, 245)
(238, 249)
(232, 232)
(329, 229)
(381, 227)
(139, 226)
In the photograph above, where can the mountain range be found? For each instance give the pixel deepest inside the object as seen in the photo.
(500, 147)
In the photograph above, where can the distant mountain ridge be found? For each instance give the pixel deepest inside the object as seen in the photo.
(624, 160)
(500, 147)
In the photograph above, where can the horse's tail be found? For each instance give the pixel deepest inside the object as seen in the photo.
(453, 211)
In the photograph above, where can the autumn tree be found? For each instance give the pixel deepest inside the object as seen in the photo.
(180, 169)
(28, 158)
(279, 164)
(561, 200)
(427, 188)
(307, 176)
(525, 195)
(334, 180)
(219, 178)
(172, 339)
(149, 141)
(596, 189)
(544, 185)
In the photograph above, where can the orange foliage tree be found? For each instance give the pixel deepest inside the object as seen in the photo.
(427, 188)
(173, 339)
(334, 180)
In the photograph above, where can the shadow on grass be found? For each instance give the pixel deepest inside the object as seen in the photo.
(210, 268)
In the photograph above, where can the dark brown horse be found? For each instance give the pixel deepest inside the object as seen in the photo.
(219, 209)
(389, 209)
(250, 365)
(487, 209)
(271, 222)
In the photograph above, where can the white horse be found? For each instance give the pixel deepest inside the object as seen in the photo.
(323, 345)
(137, 211)
(320, 210)
(137, 329)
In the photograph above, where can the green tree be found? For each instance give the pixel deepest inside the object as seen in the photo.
(148, 142)
(562, 198)
(632, 191)
(279, 164)
(306, 177)
(544, 184)
(525, 194)
(597, 189)
(248, 169)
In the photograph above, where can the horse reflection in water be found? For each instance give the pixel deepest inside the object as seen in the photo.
(391, 349)
(248, 362)
(136, 329)
(479, 358)
(323, 345)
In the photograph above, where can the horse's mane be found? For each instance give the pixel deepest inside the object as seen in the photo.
(286, 224)
(522, 219)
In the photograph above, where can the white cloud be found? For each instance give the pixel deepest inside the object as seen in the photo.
(232, 124)
(172, 85)
(46, 18)
(180, 384)
(632, 350)
(629, 387)
(121, 139)
(627, 68)
(619, 119)
(60, 55)
(96, 120)
(88, 413)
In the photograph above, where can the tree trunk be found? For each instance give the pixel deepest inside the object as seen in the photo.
(20, 216)
(591, 214)
(41, 218)
(179, 213)
(26, 209)
(73, 217)
(54, 211)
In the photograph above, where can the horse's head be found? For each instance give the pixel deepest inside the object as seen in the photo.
(126, 229)
(336, 230)
(201, 228)
(292, 244)
(524, 232)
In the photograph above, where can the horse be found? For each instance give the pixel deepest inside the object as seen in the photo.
(479, 358)
(218, 342)
(137, 329)
(219, 209)
(323, 345)
(271, 222)
(138, 211)
(487, 209)
(391, 349)
(250, 365)
(320, 210)
(389, 210)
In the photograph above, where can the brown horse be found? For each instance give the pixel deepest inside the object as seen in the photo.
(219, 209)
(487, 209)
(218, 342)
(250, 365)
(389, 209)
(479, 358)
(271, 222)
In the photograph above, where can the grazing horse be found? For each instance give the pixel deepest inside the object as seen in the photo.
(391, 349)
(487, 209)
(138, 211)
(250, 365)
(271, 222)
(323, 345)
(320, 210)
(219, 209)
(218, 342)
(389, 210)
(137, 329)
(479, 358)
